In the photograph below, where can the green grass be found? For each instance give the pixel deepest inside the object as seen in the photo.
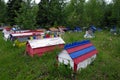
(16, 65)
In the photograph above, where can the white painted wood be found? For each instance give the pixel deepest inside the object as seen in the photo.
(86, 62)
(21, 34)
(45, 42)
(65, 58)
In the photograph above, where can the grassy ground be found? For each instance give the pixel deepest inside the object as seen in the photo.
(16, 65)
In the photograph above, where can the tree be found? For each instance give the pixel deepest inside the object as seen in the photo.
(43, 12)
(51, 12)
(115, 16)
(13, 6)
(2, 11)
(75, 10)
(107, 20)
(26, 17)
(71, 13)
(57, 12)
(94, 12)
(80, 12)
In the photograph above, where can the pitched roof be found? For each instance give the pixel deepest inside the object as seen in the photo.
(53, 29)
(21, 34)
(80, 51)
(46, 42)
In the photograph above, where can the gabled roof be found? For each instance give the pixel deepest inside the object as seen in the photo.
(21, 34)
(46, 42)
(7, 28)
(80, 51)
(53, 29)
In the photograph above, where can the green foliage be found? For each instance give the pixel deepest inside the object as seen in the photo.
(59, 12)
(74, 12)
(94, 11)
(43, 13)
(2, 12)
(27, 15)
(13, 6)
(116, 12)
(51, 13)
(81, 13)
(107, 16)
(56, 12)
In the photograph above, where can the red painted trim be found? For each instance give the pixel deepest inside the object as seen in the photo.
(75, 67)
(57, 58)
(71, 50)
(84, 57)
(42, 50)
(7, 28)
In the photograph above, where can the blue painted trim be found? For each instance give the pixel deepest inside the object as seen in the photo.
(71, 45)
(82, 52)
